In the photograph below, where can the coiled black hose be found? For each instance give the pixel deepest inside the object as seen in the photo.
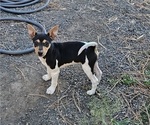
(5, 4)
(18, 52)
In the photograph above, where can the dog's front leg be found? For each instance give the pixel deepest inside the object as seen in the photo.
(47, 76)
(54, 75)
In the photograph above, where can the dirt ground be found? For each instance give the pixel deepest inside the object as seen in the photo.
(123, 29)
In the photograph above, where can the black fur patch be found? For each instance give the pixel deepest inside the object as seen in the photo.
(42, 37)
(68, 52)
(92, 57)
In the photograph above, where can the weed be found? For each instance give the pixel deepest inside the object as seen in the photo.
(124, 79)
(147, 77)
(128, 80)
(102, 110)
(145, 114)
(147, 72)
(123, 122)
(113, 81)
(147, 82)
(84, 121)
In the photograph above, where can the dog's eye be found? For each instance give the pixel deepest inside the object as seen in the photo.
(36, 43)
(46, 44)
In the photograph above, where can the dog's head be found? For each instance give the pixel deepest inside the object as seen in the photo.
(42, 42)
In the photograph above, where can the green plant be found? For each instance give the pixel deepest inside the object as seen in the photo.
(127, 80)
(123, 122)
(84, 121)
(147, 82)
(145, 114)
(147, 72)
(113, 81)
(102, 110)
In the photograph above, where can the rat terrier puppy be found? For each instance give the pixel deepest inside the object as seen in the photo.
(56, 55)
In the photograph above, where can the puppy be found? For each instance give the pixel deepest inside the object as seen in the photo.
(56, 55)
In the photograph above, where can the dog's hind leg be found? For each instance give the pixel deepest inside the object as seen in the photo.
(97, 71)
(87, 69)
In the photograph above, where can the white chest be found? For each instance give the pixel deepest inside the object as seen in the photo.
(43, 61)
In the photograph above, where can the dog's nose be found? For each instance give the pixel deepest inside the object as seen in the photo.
(40, 53)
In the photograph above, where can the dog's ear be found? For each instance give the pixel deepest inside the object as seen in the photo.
(53, 32)
(31, 31)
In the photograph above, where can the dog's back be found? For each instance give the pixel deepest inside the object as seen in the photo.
(67, 52)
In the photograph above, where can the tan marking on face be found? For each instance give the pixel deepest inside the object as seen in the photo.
(44, 41)
(45, 49)
(36, 50)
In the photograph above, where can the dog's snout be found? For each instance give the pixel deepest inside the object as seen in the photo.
(40, 53)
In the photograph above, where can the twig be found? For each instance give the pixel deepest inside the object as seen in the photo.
(134, 97)
(57, 101)
(62, 116)
(38, 95)
(114, 85)
(20, 72)
(64, 119)
(148, 115)
(144, 65)
(75, 102)
(67, 89)
(100, 43)
(33, 68)
(140, 37)
(129, 107)
(53, 104)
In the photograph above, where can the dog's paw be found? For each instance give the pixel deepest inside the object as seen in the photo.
(46, 77)
(50, 90)
(91, 92)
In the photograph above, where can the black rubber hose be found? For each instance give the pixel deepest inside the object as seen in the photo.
(19, 4)
(24, 2)
(12, 2)
(29, 50)
(5, 4)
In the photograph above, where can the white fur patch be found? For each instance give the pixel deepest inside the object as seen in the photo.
(46, 77)
(43, 61)
(68, 64)
(85, 46)
(91, 76)
(50, 90)
(54, 74)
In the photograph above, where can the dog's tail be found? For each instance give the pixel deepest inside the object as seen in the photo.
(86, 45)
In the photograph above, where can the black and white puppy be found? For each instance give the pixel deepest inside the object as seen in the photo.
(56, 55)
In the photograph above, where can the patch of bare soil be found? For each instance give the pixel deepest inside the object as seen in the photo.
(122, 27)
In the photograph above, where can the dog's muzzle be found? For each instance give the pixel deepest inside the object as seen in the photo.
(40, 53)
